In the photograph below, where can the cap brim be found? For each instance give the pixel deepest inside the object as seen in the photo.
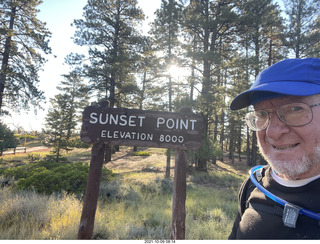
(292, 88)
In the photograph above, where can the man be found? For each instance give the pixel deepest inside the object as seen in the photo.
(282, 200)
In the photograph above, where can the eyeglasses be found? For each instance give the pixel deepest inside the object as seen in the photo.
(292, 114)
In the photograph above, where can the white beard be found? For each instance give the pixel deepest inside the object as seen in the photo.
(292, 169)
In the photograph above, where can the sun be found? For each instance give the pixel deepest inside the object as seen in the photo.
(176, 72)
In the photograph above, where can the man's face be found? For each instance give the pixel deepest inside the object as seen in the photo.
(294, 152)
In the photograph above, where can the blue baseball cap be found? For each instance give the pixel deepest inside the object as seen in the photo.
(290, 77)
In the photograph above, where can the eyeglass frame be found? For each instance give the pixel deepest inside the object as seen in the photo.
(276, 110)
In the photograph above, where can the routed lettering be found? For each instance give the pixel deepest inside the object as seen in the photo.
(120, 126)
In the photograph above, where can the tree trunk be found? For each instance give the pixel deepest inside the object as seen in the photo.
(6, 53)
(248, 148)
(107, 154)
(168, 163)
(254, 150)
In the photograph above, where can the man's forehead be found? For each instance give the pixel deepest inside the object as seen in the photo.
(275, 102)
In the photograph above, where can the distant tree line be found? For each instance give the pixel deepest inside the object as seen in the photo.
(222, 45)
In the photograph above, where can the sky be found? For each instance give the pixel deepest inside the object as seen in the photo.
(59, 14)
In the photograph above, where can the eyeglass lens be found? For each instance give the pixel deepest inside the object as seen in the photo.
(293, 114)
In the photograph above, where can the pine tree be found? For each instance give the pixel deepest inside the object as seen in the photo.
(148, 71)
(57, 124)
(261, 38)
(211, 25)
(23, 38)
(314, 39)
(302, 20)
(165, 31)
(110, 31)
(7, 139)
(64, 113)
(78, 96)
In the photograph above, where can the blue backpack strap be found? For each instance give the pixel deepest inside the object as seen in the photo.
(245, 190)
(291, 212)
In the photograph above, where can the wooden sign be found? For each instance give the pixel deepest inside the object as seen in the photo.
(144, 128)
(120, 126)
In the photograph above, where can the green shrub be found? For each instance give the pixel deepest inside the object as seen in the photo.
(22, 137)
(48, 177)
(33, 157)
(116, 191)
(142, 153)
(78, 143)
(7, 139)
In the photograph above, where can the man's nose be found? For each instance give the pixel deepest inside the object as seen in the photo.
(276, 126)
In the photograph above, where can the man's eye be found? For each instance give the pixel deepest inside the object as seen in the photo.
(261, 114)
(293, 110)
(296, 108)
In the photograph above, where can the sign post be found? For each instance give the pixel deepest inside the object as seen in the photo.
(142, 128)
(178, 227)
(92, 192)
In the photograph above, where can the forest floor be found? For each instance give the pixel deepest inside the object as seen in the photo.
(124, 162)
(136, 204)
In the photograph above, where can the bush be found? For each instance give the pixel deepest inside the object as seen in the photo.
(78, 143)
(7, 139)
(142, 153)
(33, 158)
(49, 177)
(22, 137)
(116, 191)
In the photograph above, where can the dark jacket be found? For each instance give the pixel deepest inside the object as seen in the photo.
(261, 218)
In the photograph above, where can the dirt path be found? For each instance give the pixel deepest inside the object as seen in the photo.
(123, 161)
(29, 149)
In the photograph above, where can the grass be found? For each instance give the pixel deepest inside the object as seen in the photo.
(32, 143)
(134, 212)
(28, 215)
(135, 205)
(211, 213)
